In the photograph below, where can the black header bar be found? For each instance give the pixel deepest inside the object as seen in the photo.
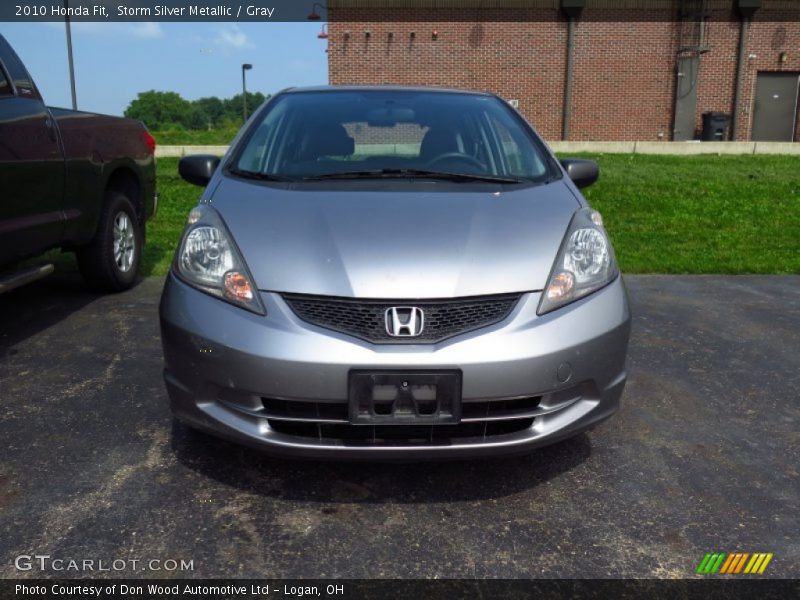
(165, 11)
(382, 589)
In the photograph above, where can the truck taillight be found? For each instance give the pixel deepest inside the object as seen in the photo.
(150, 141)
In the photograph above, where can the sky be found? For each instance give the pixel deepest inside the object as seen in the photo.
(116, 61)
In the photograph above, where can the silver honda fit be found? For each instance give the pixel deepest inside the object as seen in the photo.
(392, 273)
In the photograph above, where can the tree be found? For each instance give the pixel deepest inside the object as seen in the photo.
(234, 106)
(159, 109)
(213, 110)
(168, 110)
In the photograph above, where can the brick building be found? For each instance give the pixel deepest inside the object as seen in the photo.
(640, 69)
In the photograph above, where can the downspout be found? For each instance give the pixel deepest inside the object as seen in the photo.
(572, 10)
(746, 8)
(568, 82)
(737, 94)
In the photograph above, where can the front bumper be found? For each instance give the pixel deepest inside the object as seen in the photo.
(280, 384)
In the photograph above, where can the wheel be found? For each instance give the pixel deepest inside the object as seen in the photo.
(110, 262)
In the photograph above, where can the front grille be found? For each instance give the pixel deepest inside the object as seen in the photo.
(333, 412)
(482, 421)
(400, 434)
(366, 319)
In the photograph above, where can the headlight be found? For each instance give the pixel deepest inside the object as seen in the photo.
(584, 264)
(209, 260)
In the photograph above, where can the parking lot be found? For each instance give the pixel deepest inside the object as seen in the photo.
(703, 457)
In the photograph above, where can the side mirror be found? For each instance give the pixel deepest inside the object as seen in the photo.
(582, 172)
(197, 169)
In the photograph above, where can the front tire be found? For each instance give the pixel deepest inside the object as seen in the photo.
(110, 262)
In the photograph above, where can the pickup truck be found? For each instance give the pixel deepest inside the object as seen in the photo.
(73, 180)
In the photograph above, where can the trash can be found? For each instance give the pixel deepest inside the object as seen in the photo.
(715, 126)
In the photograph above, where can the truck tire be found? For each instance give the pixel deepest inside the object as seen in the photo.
(110, 262)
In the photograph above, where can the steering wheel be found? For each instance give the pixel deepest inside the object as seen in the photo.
(456, 156)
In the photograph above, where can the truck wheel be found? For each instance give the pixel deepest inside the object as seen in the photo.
(110, 262)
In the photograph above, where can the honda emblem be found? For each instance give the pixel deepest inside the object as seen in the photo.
(404, 321)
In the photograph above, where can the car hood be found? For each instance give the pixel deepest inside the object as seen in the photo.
(403, 243)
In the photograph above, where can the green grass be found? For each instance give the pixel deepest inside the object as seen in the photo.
(665, 214)
(701, 214)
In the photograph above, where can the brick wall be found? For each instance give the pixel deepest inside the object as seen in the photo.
(624, 69)
(766, 40)
(624, 80)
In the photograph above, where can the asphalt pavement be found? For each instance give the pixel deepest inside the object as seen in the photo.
(703, 457)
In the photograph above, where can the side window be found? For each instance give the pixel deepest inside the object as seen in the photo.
(18, 73)
(5, 86)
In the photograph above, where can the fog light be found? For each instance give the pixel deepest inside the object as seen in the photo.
(237, 286)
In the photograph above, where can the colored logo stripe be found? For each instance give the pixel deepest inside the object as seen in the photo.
(736, 563)
(743, 560)
(703, 563)
(727, 564)
(765, 563)
(758, 563)
(739, 564)
(711, 563)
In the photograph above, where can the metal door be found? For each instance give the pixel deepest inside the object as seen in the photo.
(775, 109)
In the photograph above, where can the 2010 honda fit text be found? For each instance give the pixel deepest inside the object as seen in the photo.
(392, 273)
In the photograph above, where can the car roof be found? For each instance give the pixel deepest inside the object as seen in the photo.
(382, 88)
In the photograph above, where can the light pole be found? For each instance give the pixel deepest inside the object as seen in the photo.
(245, 67)
(69, 57)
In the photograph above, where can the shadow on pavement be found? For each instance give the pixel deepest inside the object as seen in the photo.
(363, 482)
(34, 308)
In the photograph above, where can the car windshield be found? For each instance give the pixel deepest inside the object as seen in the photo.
(345, 134)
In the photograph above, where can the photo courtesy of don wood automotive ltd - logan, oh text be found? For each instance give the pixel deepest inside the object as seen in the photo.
(399, 298)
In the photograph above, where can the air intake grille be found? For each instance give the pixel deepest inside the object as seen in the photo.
(366, 319)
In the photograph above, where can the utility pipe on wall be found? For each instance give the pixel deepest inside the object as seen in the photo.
(746, 9)
(568, 78)
(572, 10)
(737, 94)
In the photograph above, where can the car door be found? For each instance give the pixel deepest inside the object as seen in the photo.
(32, 170)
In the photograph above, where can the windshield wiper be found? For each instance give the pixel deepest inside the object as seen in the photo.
(259, 176)
(406, 173)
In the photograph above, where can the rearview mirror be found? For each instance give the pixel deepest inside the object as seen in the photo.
(389, 116)
(197, 169)
(583, 172)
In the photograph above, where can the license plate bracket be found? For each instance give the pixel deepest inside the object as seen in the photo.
(404, 397)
